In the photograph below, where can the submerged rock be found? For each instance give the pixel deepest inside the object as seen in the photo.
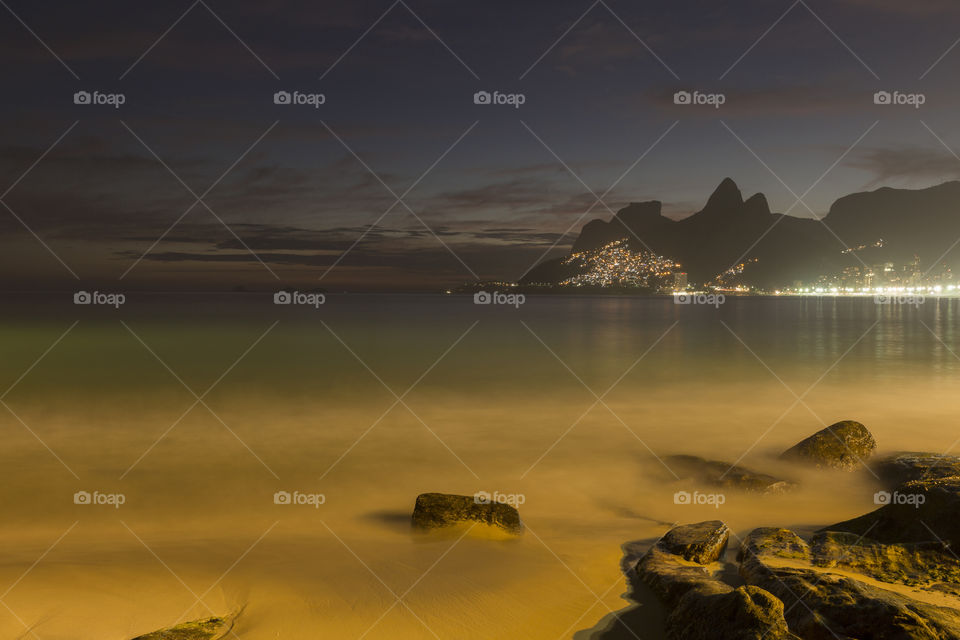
(822, 605)
(726, 475)
(703, 606)
(206, 629)
(843, 445)
(902, 467)
(433, 510)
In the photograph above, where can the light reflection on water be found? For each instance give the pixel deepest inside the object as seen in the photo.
(516, 412)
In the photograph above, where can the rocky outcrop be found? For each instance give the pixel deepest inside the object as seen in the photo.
(675, 565)
(820, 605)
(843, 445)
(795, 590)
(929, 565)
(671, 577)
(703, 606)
(726, 475)
(898, 468)
(888, 575)
(433, 510)
(206, 629)
(917, 511)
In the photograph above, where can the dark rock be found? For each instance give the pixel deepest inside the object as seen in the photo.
(744, 613)
(434, 510)
(670, 577)
(918, 511)
(206, 629)
(843, 445)
(726, 475)
(703, 542)
(902, 467)
(820, 605)
(703, 606)
(674, 565)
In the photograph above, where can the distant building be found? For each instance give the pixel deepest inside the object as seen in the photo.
(851, 277)
(679, 280)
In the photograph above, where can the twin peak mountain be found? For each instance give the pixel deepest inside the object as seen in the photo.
(782, 248)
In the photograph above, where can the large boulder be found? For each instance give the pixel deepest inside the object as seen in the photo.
(844, 445)
(703, 606)
(670, 577)
(820, 605)
(675, 565)
(897, 468)
(434, 510)
(703, 542)
(917, 511)
(744, 613)
(206, 629)
(726, 475)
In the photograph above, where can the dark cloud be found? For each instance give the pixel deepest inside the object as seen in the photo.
(908, 163)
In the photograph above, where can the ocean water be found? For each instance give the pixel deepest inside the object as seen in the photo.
(195, 410)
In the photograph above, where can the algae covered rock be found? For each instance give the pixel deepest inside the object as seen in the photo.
(843, 445)
(926, 565)
(206, 629)
(898, 468)
(434, 510)
(821, 604)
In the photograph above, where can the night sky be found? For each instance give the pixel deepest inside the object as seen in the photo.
(293, 195)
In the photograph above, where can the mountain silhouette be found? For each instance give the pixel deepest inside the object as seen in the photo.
(730, 230)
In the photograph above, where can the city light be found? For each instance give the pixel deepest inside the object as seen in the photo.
(615, 264)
